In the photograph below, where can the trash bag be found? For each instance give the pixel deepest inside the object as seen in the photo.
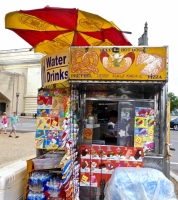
(139, 184)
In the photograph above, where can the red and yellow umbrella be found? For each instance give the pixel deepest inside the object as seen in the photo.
(51, 29)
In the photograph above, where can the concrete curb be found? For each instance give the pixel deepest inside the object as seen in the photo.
(174, 176)
(28, 117)
(11, 162)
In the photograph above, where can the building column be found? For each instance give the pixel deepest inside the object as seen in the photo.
(33, 81)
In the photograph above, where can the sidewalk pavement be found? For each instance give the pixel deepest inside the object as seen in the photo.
(14, 149)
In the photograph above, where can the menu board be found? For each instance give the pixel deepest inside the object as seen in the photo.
(52, 109)
(144, 128)
(118, 63)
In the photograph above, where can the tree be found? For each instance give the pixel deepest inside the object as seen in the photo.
(173, 101)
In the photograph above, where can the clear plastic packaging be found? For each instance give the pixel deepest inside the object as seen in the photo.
(37, 181)
(47, 161)
(139, 184)
(35, 196)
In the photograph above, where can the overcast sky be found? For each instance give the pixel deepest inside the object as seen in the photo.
(128, 15)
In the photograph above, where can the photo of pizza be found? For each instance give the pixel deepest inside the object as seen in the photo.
(150, 64)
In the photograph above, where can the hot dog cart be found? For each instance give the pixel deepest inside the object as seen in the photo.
(80, 86)
(132, 80)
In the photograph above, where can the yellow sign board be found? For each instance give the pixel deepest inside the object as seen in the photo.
(54, 68)
(118, 63)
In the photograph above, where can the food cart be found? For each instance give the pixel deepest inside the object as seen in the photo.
(79, 87)
(132, 80)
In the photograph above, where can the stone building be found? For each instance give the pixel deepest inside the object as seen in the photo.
(20, 73)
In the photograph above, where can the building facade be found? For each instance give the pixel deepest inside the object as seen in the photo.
(20, 78)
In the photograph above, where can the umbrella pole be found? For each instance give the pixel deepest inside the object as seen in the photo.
(127, 32)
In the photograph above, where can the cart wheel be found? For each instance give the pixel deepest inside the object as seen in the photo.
(175, 127)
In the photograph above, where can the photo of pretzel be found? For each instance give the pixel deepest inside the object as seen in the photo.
(84, 63)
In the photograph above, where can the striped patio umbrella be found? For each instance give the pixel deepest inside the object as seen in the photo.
(52, 29)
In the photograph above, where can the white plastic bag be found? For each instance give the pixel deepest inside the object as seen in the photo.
(139, 184)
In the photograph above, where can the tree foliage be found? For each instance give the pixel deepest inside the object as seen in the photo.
(173, 101)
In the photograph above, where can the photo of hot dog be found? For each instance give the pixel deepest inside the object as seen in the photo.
(117, 63)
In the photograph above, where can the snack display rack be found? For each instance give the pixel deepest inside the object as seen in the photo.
(72, 136)
(56, 137)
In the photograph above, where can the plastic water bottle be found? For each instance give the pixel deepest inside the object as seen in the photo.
(42, 196)
(30, 196)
